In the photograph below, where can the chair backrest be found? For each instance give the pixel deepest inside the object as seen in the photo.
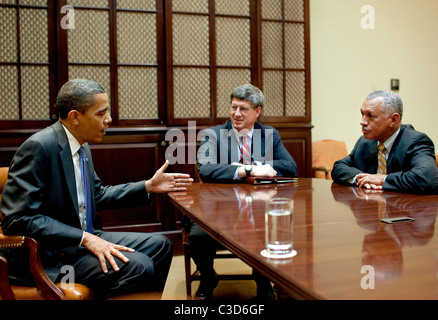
(326, 152)
(197, 178)
(3, 177)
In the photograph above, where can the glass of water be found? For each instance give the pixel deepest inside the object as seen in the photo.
(278, 226)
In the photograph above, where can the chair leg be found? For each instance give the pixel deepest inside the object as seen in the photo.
(6, 292)
(187, 263)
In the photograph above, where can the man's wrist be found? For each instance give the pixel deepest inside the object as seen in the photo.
(241, 172)
(248, 170)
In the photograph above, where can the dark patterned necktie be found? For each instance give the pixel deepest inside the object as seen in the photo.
(87, 190)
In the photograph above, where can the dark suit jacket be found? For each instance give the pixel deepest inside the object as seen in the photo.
(411, 165)
(219, 148)
(40, 198)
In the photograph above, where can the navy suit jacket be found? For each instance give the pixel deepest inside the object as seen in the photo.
(219, 148)
(40, 198)
(411, 164)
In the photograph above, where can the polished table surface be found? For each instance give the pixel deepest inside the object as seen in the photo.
(343, 250)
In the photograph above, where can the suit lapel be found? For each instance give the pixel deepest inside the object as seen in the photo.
(259, 135)
(393, 148)
(230, 141)
(67, 163)
(371, 159)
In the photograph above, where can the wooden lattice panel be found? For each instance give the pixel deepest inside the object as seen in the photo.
(138, 93)
(137, 38)
(227, 80)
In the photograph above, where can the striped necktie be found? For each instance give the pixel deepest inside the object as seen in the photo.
(246, 150)
(87, 190)
(382, 159)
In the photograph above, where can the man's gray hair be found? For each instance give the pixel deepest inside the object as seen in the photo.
(250, 93)
(77, 94)
(391, 101)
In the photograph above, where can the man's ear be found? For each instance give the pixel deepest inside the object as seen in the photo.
(73, 117)
(258, 111)
(395, 119)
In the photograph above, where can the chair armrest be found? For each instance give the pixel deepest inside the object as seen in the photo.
(324, 170)
(48, 289)
(11, 241)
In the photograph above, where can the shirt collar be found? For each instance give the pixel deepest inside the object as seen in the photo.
(389, 143)
(239, 135)
(74, 144)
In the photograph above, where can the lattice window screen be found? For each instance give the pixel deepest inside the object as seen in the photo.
(137, 38)
(8, 35)
(89, 44)
(36, 95)
(192, 92)
(34, 41)
(138, 93)
(137, 46)
(9, 107)
(89, 41)
(32, 2)
(191, 59)
(137, 4)
(190, 40)
(232, 7)
(272, 9)
(233, 49)
(294, 10)
(89, 3)
(100, 74)
(227, 80)
(233, 42)
(283, 56)
(294, 46)
(198, 6)
(273, 91)
(295, 94)
(272, 37)
(25, 70)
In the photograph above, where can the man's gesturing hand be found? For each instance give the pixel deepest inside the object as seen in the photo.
(163, 182)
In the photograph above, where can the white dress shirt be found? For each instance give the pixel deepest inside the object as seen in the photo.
(74, 148)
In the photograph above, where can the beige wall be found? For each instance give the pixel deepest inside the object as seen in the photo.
(348, 62)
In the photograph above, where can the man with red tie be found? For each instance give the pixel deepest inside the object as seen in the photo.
(228, 153)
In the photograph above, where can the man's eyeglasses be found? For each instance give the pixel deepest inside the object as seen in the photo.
(243, 110)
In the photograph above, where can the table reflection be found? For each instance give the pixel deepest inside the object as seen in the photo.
(369, 206)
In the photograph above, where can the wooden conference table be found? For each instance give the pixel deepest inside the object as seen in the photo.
(343, 249)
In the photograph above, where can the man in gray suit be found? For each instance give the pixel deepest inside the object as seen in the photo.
(408, 160)
(44, 198)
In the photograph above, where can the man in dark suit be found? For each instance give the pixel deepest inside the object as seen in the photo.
(44, 198)
(407, 157)
(223, 156)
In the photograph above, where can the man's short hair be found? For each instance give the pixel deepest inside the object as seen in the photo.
(250, 93)
(391, 101)
(77, 94)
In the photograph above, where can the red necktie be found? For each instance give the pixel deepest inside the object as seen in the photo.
(246, 150)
